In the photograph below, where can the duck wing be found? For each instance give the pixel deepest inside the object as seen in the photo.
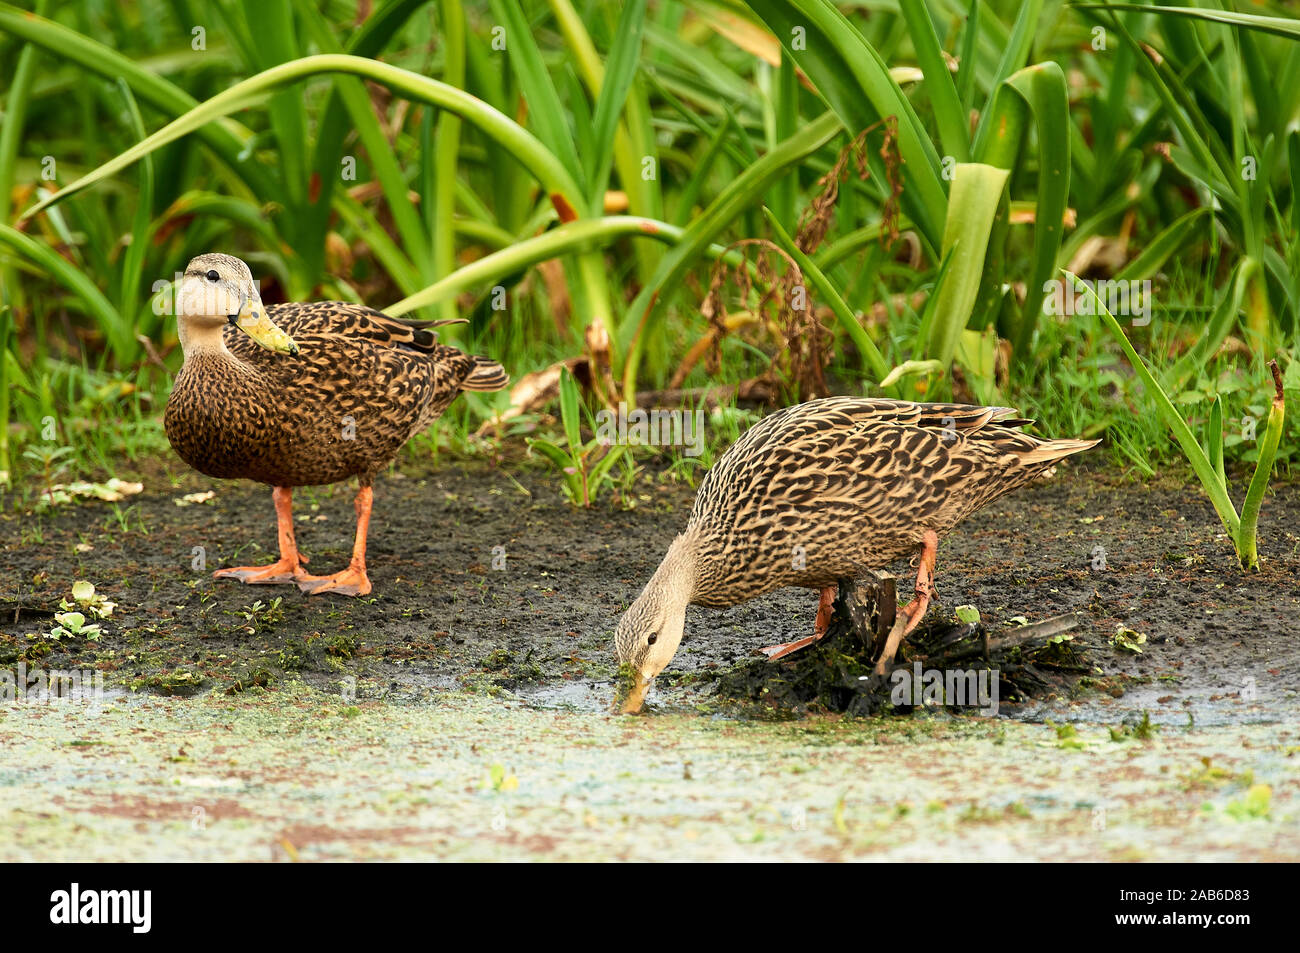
(859, 480)
(340, 332)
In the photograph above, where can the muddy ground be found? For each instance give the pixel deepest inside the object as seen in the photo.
(462, 710)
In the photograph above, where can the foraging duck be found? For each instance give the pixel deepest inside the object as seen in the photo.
(303, 395)
(824, 491)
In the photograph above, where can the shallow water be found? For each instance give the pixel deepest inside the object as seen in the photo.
(464, 712)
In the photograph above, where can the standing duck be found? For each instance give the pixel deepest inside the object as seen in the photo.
(824, 491)
(303, 395)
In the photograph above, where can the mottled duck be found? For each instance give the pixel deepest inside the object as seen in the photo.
(824, 491)
(303, 395)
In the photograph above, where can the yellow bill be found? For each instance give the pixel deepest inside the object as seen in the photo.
(253, 321)
(636, 697)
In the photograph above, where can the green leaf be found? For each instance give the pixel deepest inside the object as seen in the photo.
(227, 139)
(508, 134)
(64, 273)
(1197, 457)
(545, 112)
(570, 413)
(954, 127)
(582, 235)
(1015, 54)
(620, 70)
(552, 452)
(601, 470)
(1158, 249)
(1044, 88)
(122, 338)
(1247, 551)
(1215, 442)
(441, 157)
(972, 204)
(1216, 329)
(1279, 26)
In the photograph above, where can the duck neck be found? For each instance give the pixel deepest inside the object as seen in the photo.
(674, 580)
(203, 342)
(201, 337)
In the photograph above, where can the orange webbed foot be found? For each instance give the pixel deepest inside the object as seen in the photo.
(352, 581)
(279, 572)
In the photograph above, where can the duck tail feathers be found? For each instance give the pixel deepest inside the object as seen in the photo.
(486, 375)
(1046, 454)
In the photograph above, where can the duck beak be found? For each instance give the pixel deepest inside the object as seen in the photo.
(636, 697)
(252, 320)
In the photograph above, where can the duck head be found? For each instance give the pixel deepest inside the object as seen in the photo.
(651, 629)
(219, 289)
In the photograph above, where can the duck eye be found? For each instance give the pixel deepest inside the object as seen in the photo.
(654, 637)
(213, 276)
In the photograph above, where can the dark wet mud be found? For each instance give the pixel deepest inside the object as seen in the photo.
(487, 580)
(493, 611)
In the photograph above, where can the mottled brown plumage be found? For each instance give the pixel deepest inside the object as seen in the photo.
(825, 491)
(357, 388)
(360, 386)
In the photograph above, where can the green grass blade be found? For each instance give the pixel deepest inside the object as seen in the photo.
(1044, 88)
(384, 165)
(1214, 441)
(1216, 329)
(11, 133)
(574, 237)
(134, 255)
(634, 137)
(972, 205)
(1247, 550)
(441, 200)
(545, 112)
(1182, 109)
(1196, 456)
(332, 131)
(1016, 52)
(271, 22)
(227, 139)
(66, 274)
(207, 205)
(15, 115)
(1278, 26)
(1159, 249)
(966, 72)
(570, 413)
(620, 70)
(954, 127)
(520, 143)
(368, 229)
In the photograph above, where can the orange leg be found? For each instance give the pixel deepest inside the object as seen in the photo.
(352, 581)
(288, 568)
(825, 609)
(914, 610)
